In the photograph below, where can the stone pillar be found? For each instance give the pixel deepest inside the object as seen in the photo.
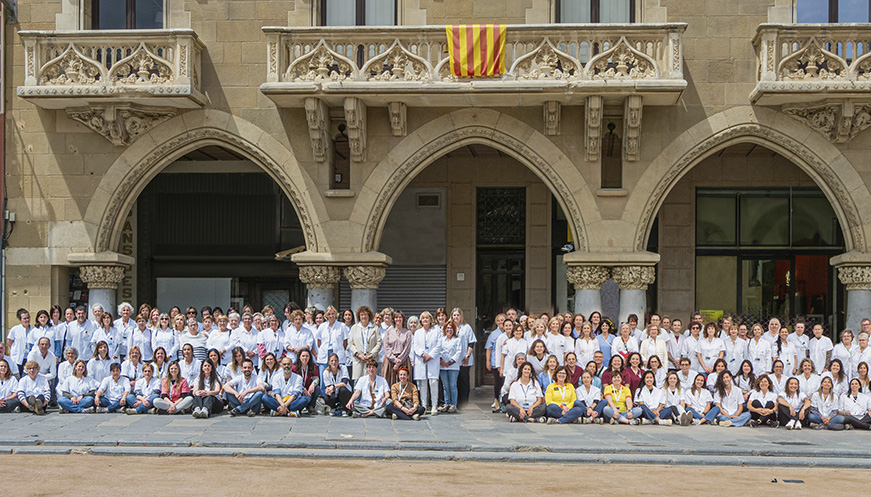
(633, 281)
(364, 282)
(102, 282)
(587, 281)
(857, 280)
(320, 282)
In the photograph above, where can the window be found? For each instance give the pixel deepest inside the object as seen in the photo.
(612, 158)
(127, 14)
(826, 11)
(358, 12)
(595, 11)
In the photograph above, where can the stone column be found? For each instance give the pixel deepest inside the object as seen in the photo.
(587, 281)
(364, 282)
(633, 281)
(320, 282)
(857, 280)
(102, 282)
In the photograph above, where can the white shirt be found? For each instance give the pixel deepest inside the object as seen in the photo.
(859, 357)
(672, 397)
(510, 350)
(378, 390)
(8, 387)
(113, 390)
(272, 341)
(778, 386)
(36, 333)
(426, 343)
(588, 398)
(525, 395)
(467, 335)
(80, 335)
(284, 386)
(787, 355)
(673, 345)
(618, 346)
(698, 400)
(839, 387)
(825, 405)
(19, 336)
(76, 387)
(652, 398)
(794, 400)
(451, 350)
(710, 350)
(808, 386)
(124, 331)
(763, 398)
(841, 352)
(296, 338)
(736, 353)
(142, 339)
(247, 340)
(801, 344)
(857, 407)
(686, 382)
(240, 384)
(759, 354)
(98, 369)
(220, 340)
(37, 387)
(190, 371)
(168, 339)
(341, 376)
(730, 403)
(131, 372)
(332, 337)
(688, 350)
(112, 339)
(64, 371)
(47, 364)
(145, 388)
(818, 348)
(585, 349)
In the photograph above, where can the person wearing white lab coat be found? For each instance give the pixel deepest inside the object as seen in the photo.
(736, 350)
(125, 326)
(288, 396)
(245, 336)
(800, 340)
(8, 388)
(76, 393)
(840, 379)
(165, 337)
(451, 352)
(513, 346)
(585, 345)
(793, 406)
(762, 404)
(140, 336)
(808, 380)
(855, 407)
(820, 349)
(863, 354)
(106, 332)
(784, 351)
(759, 351)
(778, 379)
(65, 368)
(145, 390)
(131, 368)
(80, 332)
(43, 356)
(17, 339)
(729, 399)
(297, 337)
(371, 393)
(709, 349)
(332, 337)
(34, 391)
(690, 345)
(686, 375)
(188, 364)
(698, 403)
(845, 351)
(427, 355)
(98, 365)
(824, 407)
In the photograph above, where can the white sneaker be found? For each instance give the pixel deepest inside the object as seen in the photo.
(645, 421)
(102, 410)
(797, 425)
(790, 425)
(435, 412)
(726, 423)
(697, 422)
(665, 422)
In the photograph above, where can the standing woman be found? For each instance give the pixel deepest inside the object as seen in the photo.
(624, 344)
(337, 386)
(595, 320)
(653, 346)
(270, 340)
(165, 338)
(348, 318)
(632, 374)
(845, 351)
(220, 339)
(124, 325)
(364, 342)
(855, 407)
(785, 351)
(710, 348)
(160, 363)
(659, 373)
(863, 353)
(793, 406)
(154, 319)
(8, 388)
(175, 394)
(140, 337)
(824, 408)
(76, 393)
(525, 399)
(577, 322)
(605, 339)
(591, 396)
(762, 404)
(426, 361)
(59, 329)
(467, 336)
(698, 402)
(563, 405)
(759, 351)
(840, 381)
(862, 376)
(107, 333)
(207, 391)
(100, 362)
(245, 336)
(451, 349)
(586, 345)
(730, 401)
(397, 349)
(736, 350)
(297, 337)
(513, 346)
(564, 343)
(331, 337)
(555, 342)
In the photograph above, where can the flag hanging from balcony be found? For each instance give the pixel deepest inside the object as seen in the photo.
(476, 49)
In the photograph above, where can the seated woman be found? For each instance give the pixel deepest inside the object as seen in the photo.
(824, 407)
(33, 389)
(654, 365)
(762, 404)
(591, 396)
(563, 405)
(652, 401)
(711, 382)
(76, 393)
(406, 401)
(8, 388)
(698, 401)
(840, 381)
(808, 379)
(160, 363)
(112, 392)
(287, 395)
(525, 399)
(207, 391)
(674, 397)
(510, 376)
(370, 393)
(746, 380)
(546, 377)
(145, 390)
(620, 408)
(305, 367)
(337, 389)
(537, 356)
(132, 367)
(855, 407)
(175, 394)
(730, 401)
(793, 406)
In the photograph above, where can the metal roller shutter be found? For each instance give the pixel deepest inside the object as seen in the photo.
(411, 289)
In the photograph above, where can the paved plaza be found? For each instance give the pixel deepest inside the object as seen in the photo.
(473, 434)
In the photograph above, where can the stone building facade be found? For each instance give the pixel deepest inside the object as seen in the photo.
(614, 137)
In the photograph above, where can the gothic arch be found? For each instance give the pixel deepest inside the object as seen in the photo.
(141, 162)
(807, 149)
(465, 127)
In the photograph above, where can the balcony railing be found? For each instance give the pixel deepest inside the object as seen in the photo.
(63, 69)
(800, 63)
(411, 63)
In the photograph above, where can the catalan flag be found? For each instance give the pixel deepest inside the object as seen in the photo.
(476, 49)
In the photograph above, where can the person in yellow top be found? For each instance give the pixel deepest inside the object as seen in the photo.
(563, 405)
(620, 408)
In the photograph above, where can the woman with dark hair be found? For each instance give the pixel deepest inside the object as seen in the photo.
(397, 348)
(698, 401)
(711, 382)
(337, 389)
(451, 347)
(234, 369)
(100, 362)
(785, 351)
(525, 399)
(855, 407)
(537, 355)
(762, 404)
(778, 379)
(595, 319)
(710, 348)
(840, 381)
(305, 367)
(632, 374)
(76, 393)
(189, 365)
(207, 391)
(9, 388)
(145, 390)
(824, 407)
(406, 401)
(730, 401)
(175, 394)
(793, 405)
(563, 405)
(745, 379)
(546, 377)
(620, 408)
(652, 401)
(615, 367)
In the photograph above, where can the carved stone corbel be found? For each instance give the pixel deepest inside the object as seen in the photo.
(121, 124)
(355, 119)
(838, 121)
(593, 128)
(551, 118)
(632, 127)
(317, 114)
(397, 118)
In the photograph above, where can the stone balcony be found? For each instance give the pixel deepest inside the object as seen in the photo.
(409, 65)
(819, 74)
(118, 82)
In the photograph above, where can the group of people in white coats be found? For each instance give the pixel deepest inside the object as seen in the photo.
(172, 363)
(576, 369)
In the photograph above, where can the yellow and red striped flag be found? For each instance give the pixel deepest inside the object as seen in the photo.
(476, 49)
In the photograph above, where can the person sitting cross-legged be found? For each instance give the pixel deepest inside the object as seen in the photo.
(371, 393)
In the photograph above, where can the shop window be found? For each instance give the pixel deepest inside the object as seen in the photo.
(127, 14)
(830, 11)
(595, 11)
(358, 12)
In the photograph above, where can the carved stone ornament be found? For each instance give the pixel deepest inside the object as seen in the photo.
(621, 62)
(551, 118)
(397, 64)
(546, 62)
(633, 277)
(355, 119)
(121, 124)
(321, 64)
(317, 114)
(99, 277)
(587, 277)
(397, 112)
(839, 122)
(364, 277)
(593, 128)
(632, 127)
(319, 277)
(855, 277)
(813, 62)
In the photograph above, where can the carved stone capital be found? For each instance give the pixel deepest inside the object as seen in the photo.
(397, 112)
(632, 127)
(97, 277)
(121, 124)
(355, 119)
(855, 277)
(551, 118)
(364, 277)
(633, 277)
(593, 127)
(588, 277)
(838, 121)
(319, 277)
(317, 115)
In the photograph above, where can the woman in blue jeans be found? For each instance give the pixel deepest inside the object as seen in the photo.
(451, 354)
(76, 393)
(591, 397)
(730, 400)
(652, 401)
(563, 405)
(698, 402)
(620, 408)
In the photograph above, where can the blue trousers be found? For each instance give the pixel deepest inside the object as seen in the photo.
(67, 404)
(741, 420)
(609, 412)
(298, 403)
(252, 402)
(664, 413)
(449, 385)
(555, 411)
(142, 409)
(710, 416)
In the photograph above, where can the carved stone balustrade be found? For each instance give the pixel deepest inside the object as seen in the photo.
(562, 63)
(119, 83)
(819, 74)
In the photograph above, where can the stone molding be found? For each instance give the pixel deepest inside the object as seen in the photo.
(102, 277)
(587, 277)
(634, 277)
(632, 127)
(551, 118)
(593, 127)
(355, 119)
(364, 277)
(319, 277)
(839, 122)
(318, 117)
(855, 277)
(398, 121)
(121, 124)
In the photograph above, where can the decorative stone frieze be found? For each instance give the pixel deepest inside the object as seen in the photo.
(121, 124)
(319, 277)
(355, 119)
(397, 111)
(101, 277)
(587, 277)
(839, 121)
(633, 277)
(855, 277)
(364, 277)
(551, 118)
(593, 128)
(317, 115)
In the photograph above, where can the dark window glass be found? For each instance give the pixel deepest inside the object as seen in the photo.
(501, 216)
(814, 222)
(715, 220)
(149, 14)
(358, 12)
(764, 219)
(596, 11)
(127, 14)
(826, 11)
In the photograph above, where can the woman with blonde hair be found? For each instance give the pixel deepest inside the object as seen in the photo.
(8, 388)
(220, 339)
(427, 354)
(467, 336)
(759, 351)
(586, 345)
(76, 393)
(140, 337)
(451, 351)
(165, 337)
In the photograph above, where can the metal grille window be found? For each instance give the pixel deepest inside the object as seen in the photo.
(501, 216)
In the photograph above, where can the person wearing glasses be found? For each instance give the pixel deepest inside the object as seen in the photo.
(34, 391)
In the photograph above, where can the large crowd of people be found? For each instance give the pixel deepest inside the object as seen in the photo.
(547, 369)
